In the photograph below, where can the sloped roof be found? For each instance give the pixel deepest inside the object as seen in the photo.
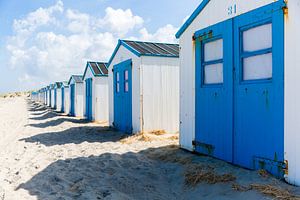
(140, 48)
(97, 68)
(65, 84)
(77, 79)
(192, 18)
(58, 84)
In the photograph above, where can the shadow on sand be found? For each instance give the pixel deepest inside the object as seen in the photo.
(76, 135)
(57, 122)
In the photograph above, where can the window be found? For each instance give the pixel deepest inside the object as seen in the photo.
(213, 62)
(117, 82)
(126, 80)
(257, 53)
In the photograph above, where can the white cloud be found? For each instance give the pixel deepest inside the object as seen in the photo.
(120, 21)
(43, 56)
(163, 34)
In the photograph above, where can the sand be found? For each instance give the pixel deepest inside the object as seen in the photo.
(47, 155)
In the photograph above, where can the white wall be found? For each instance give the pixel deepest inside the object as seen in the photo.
(52, 98)
(79, 100)
(122, 55)
(48, 97)
(292, 96)
(67, 100)
(187, 59)
(160, 93)
(58, 100)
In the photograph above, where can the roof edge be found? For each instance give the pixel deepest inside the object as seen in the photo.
(190, 20)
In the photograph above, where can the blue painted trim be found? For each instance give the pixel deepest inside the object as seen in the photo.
(192, 18)
(93, 72)
(71, 79)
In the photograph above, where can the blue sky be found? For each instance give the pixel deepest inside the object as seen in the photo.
(43, 41)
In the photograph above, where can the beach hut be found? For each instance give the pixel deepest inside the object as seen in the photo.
(95, 79)
(65, 97)
(58, 96)
(239, 68)
(48, 95)
(144, 87)
(76, 95)
(52, 96)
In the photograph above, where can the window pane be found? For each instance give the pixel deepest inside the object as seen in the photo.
(213, 74)
(258, 38)
(118, 87)
(126, 87)
(213, 50)
(118, 76)
(258, 67)
(126, 75)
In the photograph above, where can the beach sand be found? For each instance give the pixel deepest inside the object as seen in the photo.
(47, 155)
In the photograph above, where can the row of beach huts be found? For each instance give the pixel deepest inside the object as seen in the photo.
(231, 86)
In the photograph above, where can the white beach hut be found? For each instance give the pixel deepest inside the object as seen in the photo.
(65, 95)
(52, 96)
(239, 68)
(144, 87)
(58, 96)
(76, 95)
(95, 79)
(48, 91)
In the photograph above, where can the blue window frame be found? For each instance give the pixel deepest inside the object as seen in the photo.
(126, 81)
(117, 82)
(256, 52)
(212, 62)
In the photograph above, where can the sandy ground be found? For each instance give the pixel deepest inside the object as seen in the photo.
(46, 155)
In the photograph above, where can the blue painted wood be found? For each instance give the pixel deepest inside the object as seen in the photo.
(62, 99)
(214, 102)
(72, 99)
(89, 98)
(259, 104)
(243, 121)
(122, 98)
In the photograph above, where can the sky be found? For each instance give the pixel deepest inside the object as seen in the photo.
(43, 41)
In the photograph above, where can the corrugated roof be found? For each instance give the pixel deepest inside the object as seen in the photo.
(77, 78)
(97, 68)
(103, 68)
(154, 49)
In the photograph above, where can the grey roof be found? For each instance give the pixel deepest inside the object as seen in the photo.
(99, 68)
(77, 78)
(154, 49)
(58, 84)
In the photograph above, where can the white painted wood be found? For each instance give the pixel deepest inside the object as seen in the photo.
(292, 96)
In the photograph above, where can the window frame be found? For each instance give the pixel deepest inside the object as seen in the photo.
(247, 54)
(211, 62)
(117, 82)
(126, 81)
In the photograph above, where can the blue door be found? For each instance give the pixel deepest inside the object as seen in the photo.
(239, 90)
(258, 89)
(62, 99)
(72, 99)
(89, 100)
(123, 96)
(214, 86)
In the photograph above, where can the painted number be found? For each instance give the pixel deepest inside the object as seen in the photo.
(232, 10)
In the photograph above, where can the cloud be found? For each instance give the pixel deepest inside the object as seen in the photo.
(164, 34)
(50, 44)
(120, 21)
